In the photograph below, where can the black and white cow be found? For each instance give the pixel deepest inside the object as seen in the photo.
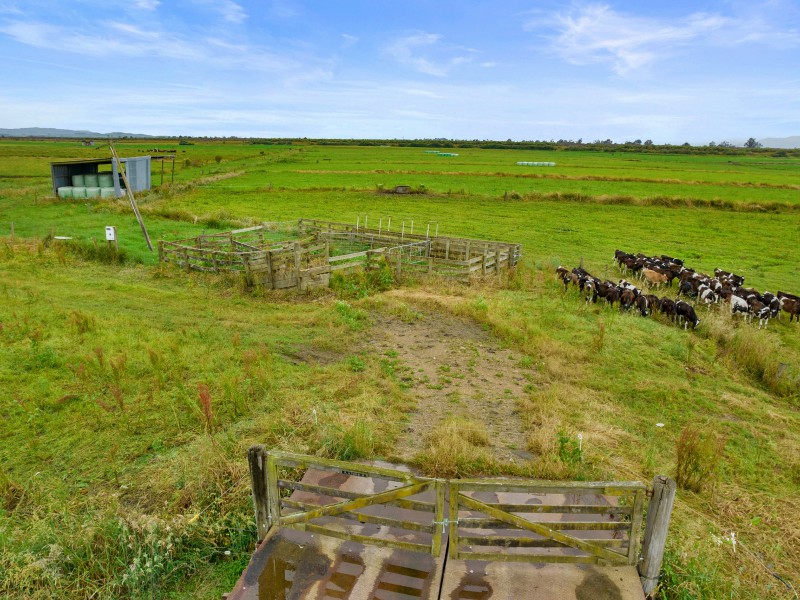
(706, 294)
(685, 313)
(740, 305)
(761, 311)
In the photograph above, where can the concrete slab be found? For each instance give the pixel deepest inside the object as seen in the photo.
(480, 580)
(294, 564)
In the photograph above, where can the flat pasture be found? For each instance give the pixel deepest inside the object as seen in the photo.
(132, 391)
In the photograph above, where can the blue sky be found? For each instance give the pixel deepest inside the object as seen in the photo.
(671, 72)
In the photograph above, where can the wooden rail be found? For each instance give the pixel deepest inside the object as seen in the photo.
(417, 523)
(545, 522)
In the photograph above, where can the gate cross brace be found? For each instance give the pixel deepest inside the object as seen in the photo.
(335, 509)
(562, 538)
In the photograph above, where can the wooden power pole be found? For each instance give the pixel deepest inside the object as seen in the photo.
(130, 197)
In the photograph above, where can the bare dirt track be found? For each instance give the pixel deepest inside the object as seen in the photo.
(454, 368)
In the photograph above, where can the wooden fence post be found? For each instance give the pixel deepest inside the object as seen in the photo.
(248, 277)
(399, 265)
(160, 251)
(257, 459)
(269, 269)
(297, 250)
(655, 531)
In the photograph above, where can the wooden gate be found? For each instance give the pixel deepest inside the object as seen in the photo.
(346, 527)
(545, 522)
(349, 501)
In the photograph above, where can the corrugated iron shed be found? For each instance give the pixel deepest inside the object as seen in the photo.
(137, 169)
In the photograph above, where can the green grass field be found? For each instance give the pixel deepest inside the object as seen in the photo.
(132, 392)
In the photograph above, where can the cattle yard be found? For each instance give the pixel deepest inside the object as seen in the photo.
(303, 254)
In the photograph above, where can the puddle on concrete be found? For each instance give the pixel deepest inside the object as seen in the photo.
(404, 577)
(289, 575)
(473, 585)
(597, 586)
(288, 569)
(345, 574)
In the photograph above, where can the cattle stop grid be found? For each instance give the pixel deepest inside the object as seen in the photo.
(434, 529)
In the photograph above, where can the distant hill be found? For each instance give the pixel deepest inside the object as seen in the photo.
(787, 142)
(49, 132)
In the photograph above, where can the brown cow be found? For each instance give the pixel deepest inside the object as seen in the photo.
(654, 277)
(627, 298)
(791, 306)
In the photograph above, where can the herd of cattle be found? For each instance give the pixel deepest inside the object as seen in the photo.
(664, 270)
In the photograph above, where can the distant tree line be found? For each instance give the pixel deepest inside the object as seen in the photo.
(607, 145)
(647, 146)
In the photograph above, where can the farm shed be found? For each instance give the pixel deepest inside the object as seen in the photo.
(75, 178)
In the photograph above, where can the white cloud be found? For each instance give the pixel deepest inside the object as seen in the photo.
(408, 52)
(9, 9)
(147, 4)
(91, 43)
(595, 33)
(232, 12)
(125, 39)
(348, 40)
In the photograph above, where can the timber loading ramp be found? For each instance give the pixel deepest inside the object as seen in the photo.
(338, 530)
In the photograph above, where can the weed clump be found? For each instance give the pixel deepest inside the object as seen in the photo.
(90, 251)
(699, 454)
(349, 443)
(205, 403)
(458, 447)
(362, 283)
(354, 318)
(756, 355)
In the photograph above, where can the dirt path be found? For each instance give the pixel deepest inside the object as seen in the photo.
(454, 368)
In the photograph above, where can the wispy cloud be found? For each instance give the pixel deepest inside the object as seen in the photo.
(596, 33)
(348, 40)
(127, 41)
(409, 52)
(9, 9)
(146, 4)
(230, 11)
